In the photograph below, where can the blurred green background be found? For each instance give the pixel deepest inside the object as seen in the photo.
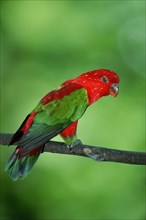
(44, 43)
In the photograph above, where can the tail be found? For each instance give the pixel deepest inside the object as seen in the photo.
(19, 166)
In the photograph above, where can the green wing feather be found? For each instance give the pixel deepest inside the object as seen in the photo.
(52, 118)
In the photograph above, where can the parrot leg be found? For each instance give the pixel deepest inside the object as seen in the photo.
(69, 134)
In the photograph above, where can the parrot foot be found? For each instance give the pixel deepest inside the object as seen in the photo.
(75, 144)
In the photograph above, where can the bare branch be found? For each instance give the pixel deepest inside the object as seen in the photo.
(96, 153)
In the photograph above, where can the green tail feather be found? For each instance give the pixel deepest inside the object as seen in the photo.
(19, 167)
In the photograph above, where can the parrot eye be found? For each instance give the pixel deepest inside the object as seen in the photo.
(104, 79)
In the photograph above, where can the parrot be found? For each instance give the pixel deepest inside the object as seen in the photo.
(57, 113)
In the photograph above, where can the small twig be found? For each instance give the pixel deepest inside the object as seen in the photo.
(96, 153)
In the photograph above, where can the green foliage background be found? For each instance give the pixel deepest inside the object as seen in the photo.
(43, 43)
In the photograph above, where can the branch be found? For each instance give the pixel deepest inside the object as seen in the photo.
(96, 153)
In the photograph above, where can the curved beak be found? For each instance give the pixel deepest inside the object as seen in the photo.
(114, 90)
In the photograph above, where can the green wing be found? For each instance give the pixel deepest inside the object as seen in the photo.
(70, 107)
(53, 117)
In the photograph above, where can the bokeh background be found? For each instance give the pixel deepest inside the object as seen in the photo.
(44, 43)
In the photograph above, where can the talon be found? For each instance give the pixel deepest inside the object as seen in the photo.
(70, 146)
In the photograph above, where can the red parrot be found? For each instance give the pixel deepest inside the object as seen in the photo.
(58, 112)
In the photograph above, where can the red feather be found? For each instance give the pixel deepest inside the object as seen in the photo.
(69, 131)
(92, 82)
(28, 122)
(65, 89)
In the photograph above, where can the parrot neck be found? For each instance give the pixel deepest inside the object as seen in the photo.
(94, 90)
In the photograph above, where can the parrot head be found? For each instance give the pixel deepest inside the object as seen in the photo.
(107, 80)
(99, 83)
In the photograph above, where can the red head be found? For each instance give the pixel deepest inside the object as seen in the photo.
(99, 83)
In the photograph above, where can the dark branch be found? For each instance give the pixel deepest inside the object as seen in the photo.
(96, 153)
